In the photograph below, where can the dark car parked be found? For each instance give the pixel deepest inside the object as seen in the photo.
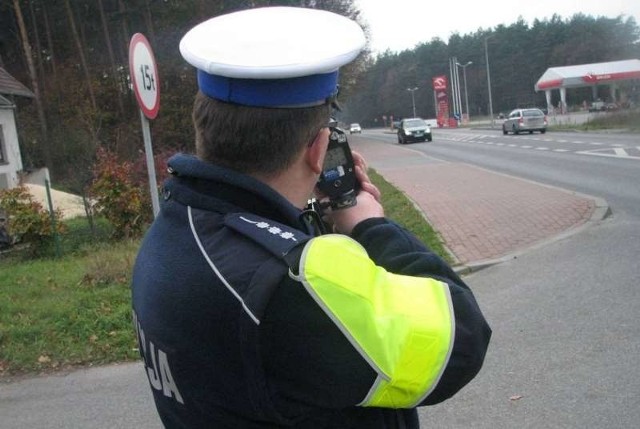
(414, 130)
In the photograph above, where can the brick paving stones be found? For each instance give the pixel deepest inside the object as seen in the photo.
(481, 215)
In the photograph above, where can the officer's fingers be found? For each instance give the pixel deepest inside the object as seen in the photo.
(366, 184)
(361, 174)
(359, 160)
(373, 190)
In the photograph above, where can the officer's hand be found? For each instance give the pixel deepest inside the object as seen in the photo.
(344, 220)
(363, 177)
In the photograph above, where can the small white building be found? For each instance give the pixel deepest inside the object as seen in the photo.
(10, 159)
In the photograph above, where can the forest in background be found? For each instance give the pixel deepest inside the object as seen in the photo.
(73, 54)
(519, 54)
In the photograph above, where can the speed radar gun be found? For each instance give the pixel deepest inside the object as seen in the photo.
(338, 178)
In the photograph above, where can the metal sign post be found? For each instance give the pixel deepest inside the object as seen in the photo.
(146, 85)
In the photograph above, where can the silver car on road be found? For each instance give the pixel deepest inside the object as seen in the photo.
(523, 120)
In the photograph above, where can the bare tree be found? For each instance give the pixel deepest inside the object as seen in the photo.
(50, 51)
(83, 61)
(112, 60)
(149, 20)
(36, 34)
(34, 83)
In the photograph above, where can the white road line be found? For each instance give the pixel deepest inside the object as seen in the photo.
(526, 147)
(608, 155)
(512, 145)
(560, 150)
(542, 148)
(620, 152)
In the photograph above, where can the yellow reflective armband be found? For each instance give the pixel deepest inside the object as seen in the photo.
(403, 326)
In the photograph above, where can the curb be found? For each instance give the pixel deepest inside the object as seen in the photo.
(601, 212)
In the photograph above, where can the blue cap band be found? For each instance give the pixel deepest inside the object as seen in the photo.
(302, 91)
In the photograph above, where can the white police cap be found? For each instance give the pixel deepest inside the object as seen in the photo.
(272, 56)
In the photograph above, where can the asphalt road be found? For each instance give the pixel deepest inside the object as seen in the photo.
(565, 317)
(115, 396)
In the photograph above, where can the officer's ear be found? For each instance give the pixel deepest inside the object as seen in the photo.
(316, 150)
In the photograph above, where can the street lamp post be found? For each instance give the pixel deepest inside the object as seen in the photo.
(486, 57)
(464, 76)
(413, 99)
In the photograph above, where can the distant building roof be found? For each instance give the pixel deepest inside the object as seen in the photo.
(10, 86)
(4, 103)
(588, 74)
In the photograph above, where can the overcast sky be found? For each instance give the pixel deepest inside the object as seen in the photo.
(401, 24)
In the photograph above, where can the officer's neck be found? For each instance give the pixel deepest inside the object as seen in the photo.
(296, 184)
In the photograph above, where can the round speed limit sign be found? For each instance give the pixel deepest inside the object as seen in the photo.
(144, 75)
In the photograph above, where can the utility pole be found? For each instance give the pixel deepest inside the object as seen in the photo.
(464, 76)
(486, 57)
(413, 99)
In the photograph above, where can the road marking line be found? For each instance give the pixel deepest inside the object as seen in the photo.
(609, 155)
(542, 148)
(526, 147)
(560, 150)
(513, 145)
(620, 151)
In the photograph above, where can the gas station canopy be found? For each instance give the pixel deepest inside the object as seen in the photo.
(588, 75)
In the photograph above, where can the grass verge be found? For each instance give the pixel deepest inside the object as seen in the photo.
(402, 210)
(76, 310)
(66, 312)
(628, 120)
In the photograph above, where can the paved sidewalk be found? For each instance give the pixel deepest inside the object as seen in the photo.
(483, 217)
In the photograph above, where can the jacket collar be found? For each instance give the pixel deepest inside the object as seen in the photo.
(212, 187)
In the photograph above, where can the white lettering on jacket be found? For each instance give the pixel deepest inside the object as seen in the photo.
(159, 371)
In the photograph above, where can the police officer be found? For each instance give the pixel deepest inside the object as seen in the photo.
(245, 317)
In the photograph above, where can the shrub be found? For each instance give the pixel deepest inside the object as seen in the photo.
(117, 197)
(27, 221)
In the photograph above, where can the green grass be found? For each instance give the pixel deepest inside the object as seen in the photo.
(66, 312)
(626, 120)
(76, 310)
(399, 208)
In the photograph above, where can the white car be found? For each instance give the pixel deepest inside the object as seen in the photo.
(355, 128)
(525, 120)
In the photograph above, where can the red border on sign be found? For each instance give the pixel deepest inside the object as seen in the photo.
(153, 112)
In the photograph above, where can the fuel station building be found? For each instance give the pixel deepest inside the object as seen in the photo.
(587, 75)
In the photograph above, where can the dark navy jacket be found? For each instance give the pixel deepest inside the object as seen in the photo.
(230, 341)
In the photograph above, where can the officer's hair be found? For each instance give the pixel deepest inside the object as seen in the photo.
(254, 139)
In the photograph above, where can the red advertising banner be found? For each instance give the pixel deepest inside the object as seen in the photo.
(442, 100)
